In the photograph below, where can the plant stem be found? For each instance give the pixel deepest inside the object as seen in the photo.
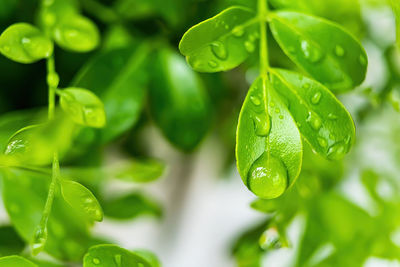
(262, 13)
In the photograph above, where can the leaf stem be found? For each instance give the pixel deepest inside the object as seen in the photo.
(262, 13)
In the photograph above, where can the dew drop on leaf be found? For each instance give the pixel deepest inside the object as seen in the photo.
(267, 177)
(363, 60)
(339, 51)
(249, 45)
(322, 142)
(238, 31)
(336, 151)
(270, 239)
(277, 110)
(316, 98)
(96, 261)
(39, 239)
(118, 259)
(212, 64)
(314, 120)
(262, 124)
(332, 116)
(306, 85)
(255, 100)
(311, 52)
(219, 50)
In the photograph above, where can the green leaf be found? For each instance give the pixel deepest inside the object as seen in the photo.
(222, 42)
(24, 195)
(322, 48)
(113, 256)
(81, 199)
(76, 33)
(121, 86)
(10, 242)
(396, 10)
(149, 256)
(83, 106)
(16, 261)
(25, 43)
(138, 171)
(178, 100)
(268, 144)
(322, 120)
(131, 206)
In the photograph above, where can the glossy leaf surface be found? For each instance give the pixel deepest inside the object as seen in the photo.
(24, 43)
(322, 120)
(222, 42)
(323, 49)
(178, 101)
(113, 256)
(268, 144)
(83, 107)
(16, 261)
(81, 199)
(131, 206)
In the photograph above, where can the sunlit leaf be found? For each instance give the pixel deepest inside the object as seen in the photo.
(16, 261)
(24, 43)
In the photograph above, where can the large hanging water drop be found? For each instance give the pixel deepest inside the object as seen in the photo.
(267, 177)
(262, 124)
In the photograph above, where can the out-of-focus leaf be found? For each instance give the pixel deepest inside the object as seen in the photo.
(81, 199)
(178, 100)
(118, 78)
(24, 194)
(149, 256)
(139, 171)
(222, 42)
(24, 43)
(113, 256)
(322, 48)
(131, 206)
(396, 10)
(16, 261)
(83, 107)
(10, 242)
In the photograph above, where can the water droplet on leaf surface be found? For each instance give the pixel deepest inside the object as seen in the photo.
(339, 51)
(316, 98)
(314, 120)
(311, 52)
(219, 50)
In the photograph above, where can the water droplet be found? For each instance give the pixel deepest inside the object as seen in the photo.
(311, 52)
(88, 200)
(262, 124)
(250, 47)
(322, 142)
(281, 117)
(255, 100)
(363, 60)
(96, 261)
(37, 46)
(270, 239)
(39, 239)
(219, 50)
(332, 116)
(336, 151)
(277, 110)
(339, 51)
(238, 31)
(212, 64)
(332, 137)
(226, 26)
(16, 146)
(316, 98)
(306, 85)
(118, 259)
(314, 120)
(267, 177)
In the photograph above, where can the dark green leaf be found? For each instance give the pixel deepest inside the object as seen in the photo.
(396, 10)
(16, 261)
(81, 199)
(25, 43)
(324, 49)
(178, 101)
(131, 206)
(268, 147)
(10, 242)
(221, 42)
(83, 107)
(113, 256)
(322, 120)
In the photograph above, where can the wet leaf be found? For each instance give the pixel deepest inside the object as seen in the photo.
(16, 261)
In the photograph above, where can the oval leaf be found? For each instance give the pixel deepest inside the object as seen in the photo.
(113, 256)
(323, 49)
(268, 144)
(81, 199)
(76, 33)
(221, 42)
(25, 43)
(83, 107)
(16, 261)
(178, 101)
(323, 121)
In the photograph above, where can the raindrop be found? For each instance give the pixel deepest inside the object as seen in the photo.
(277, 110)
(96, 261)
(306, 86)
(212, 64)
(322, 142)
(281, 117)
(267, 177)
(270, 239)
(262, 124)
(347, 140)
(250, 47)
(314, 120)
(255, 100)
(316, 98)
(39, 239)
(219, 50)
(332, 116)
(238, 31)
(339, 51)
(118, 259)
(311, 53)
(336, 151)
(363, 60)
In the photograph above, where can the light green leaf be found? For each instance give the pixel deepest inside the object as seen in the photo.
(24, 194)
(322, 120)
(178, 100)
(396, 10)
(131, 206)
(51, 12)
(81, 199)
(268, 143)
(16, 261)
(24, 43)
(121, 86)
(83, 106)
(138, 171)
(222, 42)
(113, 256)
(149, 256)
(322, 48)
